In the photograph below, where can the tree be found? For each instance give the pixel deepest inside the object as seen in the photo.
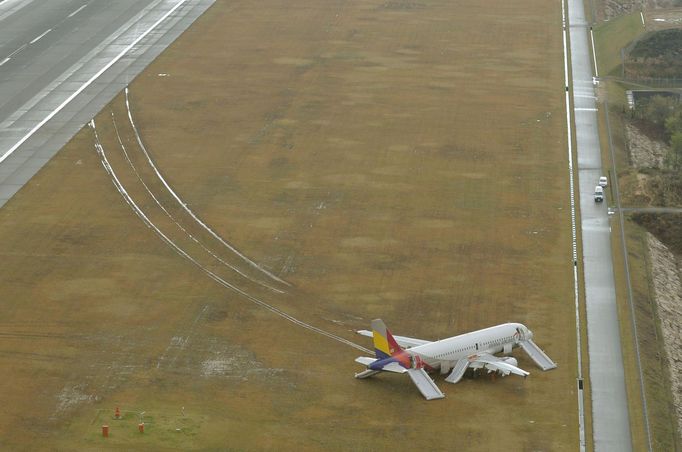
(674, 157)
(673, 124)
(658, 108)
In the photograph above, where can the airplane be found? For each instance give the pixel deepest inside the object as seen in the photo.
(475, 350)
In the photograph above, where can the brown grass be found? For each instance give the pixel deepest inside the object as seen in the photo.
(389, 159)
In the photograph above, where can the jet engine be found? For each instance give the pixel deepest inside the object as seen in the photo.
(492, 368)
(511, 360)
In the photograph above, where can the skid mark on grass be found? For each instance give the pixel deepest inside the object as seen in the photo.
(178, 343)
(138, 211)
(233, 362)
(186, 208)
(70, 396)
(168, 214)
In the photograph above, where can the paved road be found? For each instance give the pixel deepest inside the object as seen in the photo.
(61, 61)
(610, 419)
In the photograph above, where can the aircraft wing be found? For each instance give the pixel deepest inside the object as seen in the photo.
(494, 363)
(403, 341)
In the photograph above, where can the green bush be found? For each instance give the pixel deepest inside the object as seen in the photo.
(674, 157)
(657, 109)
(665, 113)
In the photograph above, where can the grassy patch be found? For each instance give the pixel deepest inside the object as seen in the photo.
(391, 162)
(612, 36)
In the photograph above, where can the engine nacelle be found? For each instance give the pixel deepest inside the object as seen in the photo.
(492, 368)
(511, 360)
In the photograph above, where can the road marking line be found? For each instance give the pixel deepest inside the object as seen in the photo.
(585, 109)
(594, 54)
(4, 61)
(38, 38)
(76, 11)
(574, 245)
(69, 99)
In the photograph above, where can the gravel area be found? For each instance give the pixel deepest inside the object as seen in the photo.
(644, 152)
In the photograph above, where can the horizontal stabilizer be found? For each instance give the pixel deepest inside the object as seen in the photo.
(364, 360)
(403, 341)
(458, 371)
(425, 384)
(536, 354)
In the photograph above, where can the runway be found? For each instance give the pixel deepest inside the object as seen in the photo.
(62, 61)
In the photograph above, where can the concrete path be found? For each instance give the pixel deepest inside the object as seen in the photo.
(610, 419)
(62, 61)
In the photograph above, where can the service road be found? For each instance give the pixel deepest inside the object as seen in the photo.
(610, 419)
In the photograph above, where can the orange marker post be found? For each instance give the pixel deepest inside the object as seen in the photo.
(117, 414)
(105, 431)
(140, 427)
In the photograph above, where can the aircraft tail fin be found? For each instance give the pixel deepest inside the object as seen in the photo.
(385, 346)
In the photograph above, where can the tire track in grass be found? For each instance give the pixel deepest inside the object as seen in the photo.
(168, 214)
(138, 211)
(187, 209)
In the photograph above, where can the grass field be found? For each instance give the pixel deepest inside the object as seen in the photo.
(403, 160)
(612, 36)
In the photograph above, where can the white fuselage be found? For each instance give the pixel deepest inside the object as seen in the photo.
(445, 353)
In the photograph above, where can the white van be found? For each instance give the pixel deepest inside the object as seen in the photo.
(598, 193)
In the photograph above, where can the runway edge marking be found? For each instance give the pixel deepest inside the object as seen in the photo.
(576, 293)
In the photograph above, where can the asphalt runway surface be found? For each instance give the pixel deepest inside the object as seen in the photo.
(62, 61)
(610, 418)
